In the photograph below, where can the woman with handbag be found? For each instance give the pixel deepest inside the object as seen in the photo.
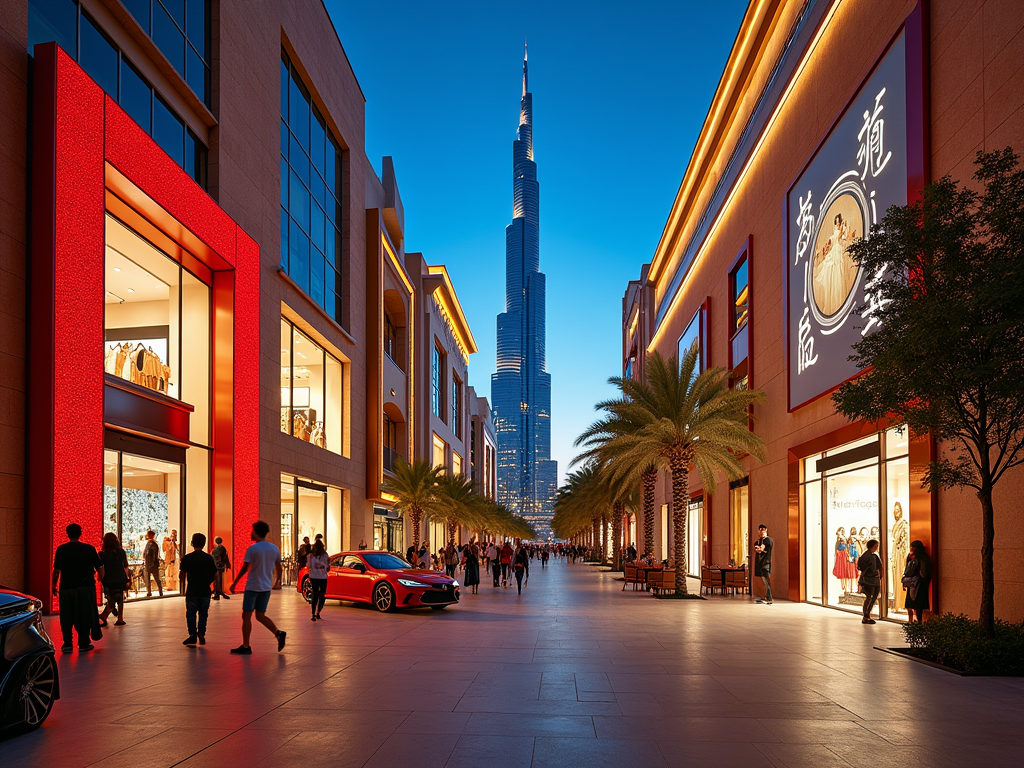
(115, 579)
(319, 565)
(916, 577)
(521, 567)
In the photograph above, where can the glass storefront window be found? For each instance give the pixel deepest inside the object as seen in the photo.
(157, 324)
(844, 507)
(897, 509)
(142, 494)
(739, 517)
(311, 390)
(303, 514)
(695, 536)
(438, 452)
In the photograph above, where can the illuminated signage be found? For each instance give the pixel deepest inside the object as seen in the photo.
(857, 173)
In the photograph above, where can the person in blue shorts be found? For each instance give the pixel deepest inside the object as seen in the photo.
(263, 566)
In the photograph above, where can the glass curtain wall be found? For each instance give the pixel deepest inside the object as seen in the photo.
(695, 536)
(851, 495)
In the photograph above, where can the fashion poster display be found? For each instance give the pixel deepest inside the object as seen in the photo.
(857, 173)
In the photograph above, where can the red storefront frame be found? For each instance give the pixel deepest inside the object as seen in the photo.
(86, 148)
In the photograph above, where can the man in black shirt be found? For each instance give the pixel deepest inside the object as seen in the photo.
(198, 571)
(74, 564)
(763, 562)
(870, 566)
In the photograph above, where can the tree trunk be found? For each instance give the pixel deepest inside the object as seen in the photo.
(648, 480)
(679, 465)
(617, 511)
(987, 615)
(415, 514)
(452, 528)
(604, 538)
(595, 535)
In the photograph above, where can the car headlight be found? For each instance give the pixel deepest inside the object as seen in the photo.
(455, 582)
(411, 583)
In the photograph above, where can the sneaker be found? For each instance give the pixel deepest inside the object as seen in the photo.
(280, 640)
(119, 623)
(769, 602)
(759, 601)
(202, 639)
(314, 618)
(226, 597)
(244, 650)
(216, 597)
(319, 617)
(67, 648)
(190, 640)
(867, 621)
(84, 648)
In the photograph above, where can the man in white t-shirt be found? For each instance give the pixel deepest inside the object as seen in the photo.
(263, 565)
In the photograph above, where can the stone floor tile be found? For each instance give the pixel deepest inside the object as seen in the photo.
(603, 753)
(802, 756)
(423, 751)
(504, 751)
(489, 724)
(688, 754)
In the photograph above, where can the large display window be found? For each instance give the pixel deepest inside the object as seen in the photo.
(156, 324)
(311, 385)
(308, 509)
(850, 495)
(695, 536)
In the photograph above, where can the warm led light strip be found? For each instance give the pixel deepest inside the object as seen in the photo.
(746, 167)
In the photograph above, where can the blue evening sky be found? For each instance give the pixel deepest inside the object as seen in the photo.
(620, 91)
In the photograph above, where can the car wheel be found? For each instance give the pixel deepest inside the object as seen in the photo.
(438, 607)
(307, 590)
(35, 693)
(383, 598)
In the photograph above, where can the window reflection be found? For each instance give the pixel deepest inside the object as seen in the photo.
(311, 390)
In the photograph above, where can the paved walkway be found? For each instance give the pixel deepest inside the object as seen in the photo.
(574, 672)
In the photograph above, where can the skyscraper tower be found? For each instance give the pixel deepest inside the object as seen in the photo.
(521, 388)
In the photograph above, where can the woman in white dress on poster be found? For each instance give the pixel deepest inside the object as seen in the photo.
(830, 280)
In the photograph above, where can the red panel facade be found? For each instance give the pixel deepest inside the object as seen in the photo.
(88, 130)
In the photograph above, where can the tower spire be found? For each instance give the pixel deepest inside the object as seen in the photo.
(526, 51)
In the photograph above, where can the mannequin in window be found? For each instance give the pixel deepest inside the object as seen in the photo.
(318, 436)
(900, 543)
(299, 426)
(853, 551)
(108, 359)
(170, 548)
(151, 369)
(839, 569)
(138, 363)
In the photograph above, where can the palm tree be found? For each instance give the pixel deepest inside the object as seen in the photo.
(458, 503)
(415, 485)
(678, 419)
(574, 504)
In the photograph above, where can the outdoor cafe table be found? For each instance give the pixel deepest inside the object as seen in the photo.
(726, 569)
(646, 569)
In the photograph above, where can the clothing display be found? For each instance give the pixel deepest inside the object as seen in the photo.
(304, 426)
(900, 548)
(138, 364)
(170, 548)
(839, 569)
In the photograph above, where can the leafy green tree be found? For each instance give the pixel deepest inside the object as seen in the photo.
(677, 418)
(946, 354)
(415, 486)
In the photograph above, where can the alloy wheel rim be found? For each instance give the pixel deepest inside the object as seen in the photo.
(37, 690)
(383, 598)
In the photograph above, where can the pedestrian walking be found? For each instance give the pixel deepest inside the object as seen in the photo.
(521, 567)
(302, 553)
(319, 565)
(115, 579)
(451, 560)
(763, 562)
(870, 566)
(220, 557)
(472, 575)
(425, 561)
(151, 563)
(917, 574)
(263, 564)
(491, 554)
(506, 556)
(197, 571)
(544, 555)
(74, 564)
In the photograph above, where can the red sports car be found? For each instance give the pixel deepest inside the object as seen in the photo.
(384, 580)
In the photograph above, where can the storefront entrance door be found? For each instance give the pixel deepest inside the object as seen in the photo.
(143, 494)
(303, 514)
